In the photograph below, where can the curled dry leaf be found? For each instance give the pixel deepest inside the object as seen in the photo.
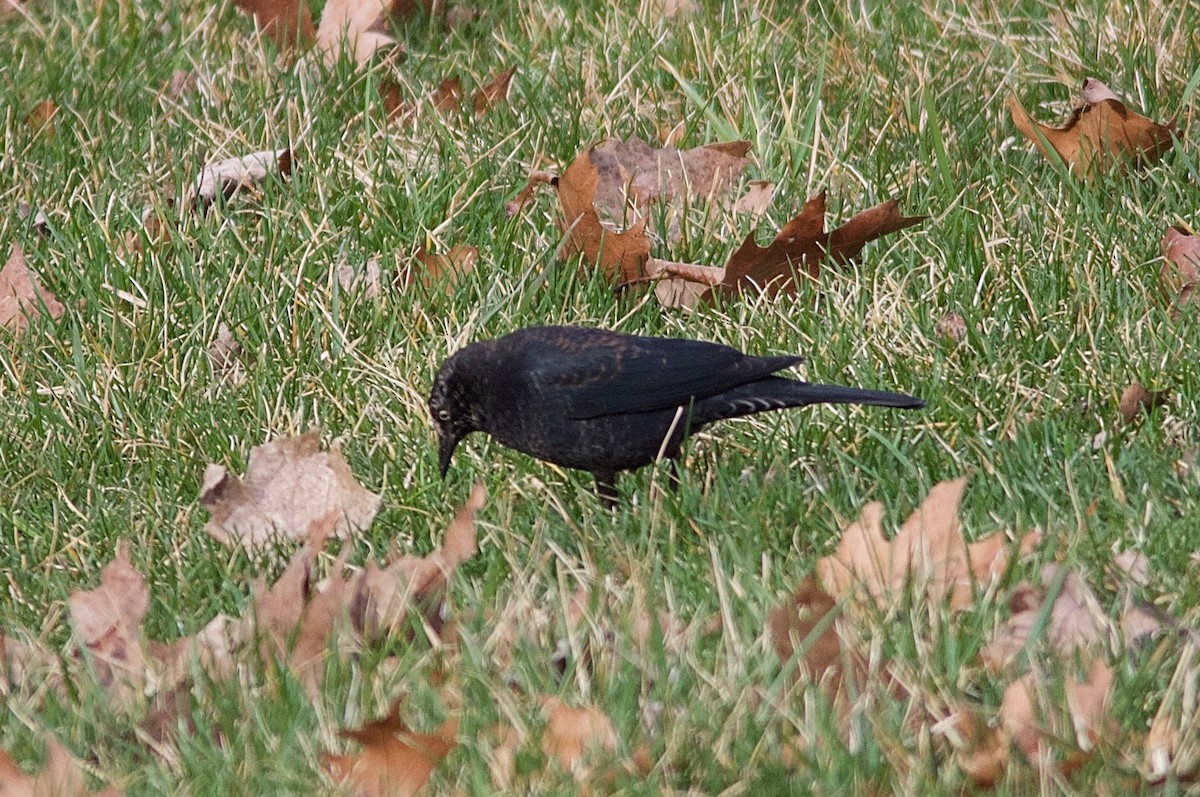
(62, 776)
(21, 297)
(354, 27)
(225, 355)
(525, 195)
(757, 198)
(951, 328)
(448, 97)
(1181, 263)
(607, 191)
(108, 622)
(928, 555)
(1099, 135)
(289, 485)
(228, 177)
(805, 624)
(395, 761)
(572, 732)
(1136, 399)
(446, 270)
(40, 222)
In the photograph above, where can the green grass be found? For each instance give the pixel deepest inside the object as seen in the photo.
(110, 414)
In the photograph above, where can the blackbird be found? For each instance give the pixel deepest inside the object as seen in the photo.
(605, 401)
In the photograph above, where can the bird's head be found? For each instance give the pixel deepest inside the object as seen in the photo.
(452, 410)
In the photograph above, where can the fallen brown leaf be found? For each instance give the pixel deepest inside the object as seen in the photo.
(757, 198)
(525, 195)
(806, 623)
(951, 328)
(21, 297)
(1036, 732)
(1099, 135)
(1076, 621)
(446, 270)
(1173, 743)
(447, 99)
(228, 177)
(572, 732)
(225, 355)
(62, 776)
(382, 596)
(1181, 264)
(928, 555)
(108, 621)
(366, 280)
(607, 191)
(395, 761)
(288, 22)
(40, 120)
(1136, 399)
(353, 26)
(492, 93)
(289, 485)
(802, 246)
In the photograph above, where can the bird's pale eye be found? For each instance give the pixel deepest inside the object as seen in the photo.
(443, 415)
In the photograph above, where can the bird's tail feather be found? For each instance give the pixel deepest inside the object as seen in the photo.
(837, 394)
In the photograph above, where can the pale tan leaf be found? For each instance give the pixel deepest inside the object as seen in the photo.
(289, 485)
(21, 297)
(231, 175)
(108, 622)
(572, 732)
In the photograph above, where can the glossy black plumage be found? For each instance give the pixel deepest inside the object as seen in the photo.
(606, 401)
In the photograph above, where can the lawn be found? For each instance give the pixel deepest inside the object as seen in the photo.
(110, 413)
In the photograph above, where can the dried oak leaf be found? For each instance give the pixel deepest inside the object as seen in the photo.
(288, 22)
(228, 177)
(928, 555)
(395, 761)
(289, 485)
(572, 732)
(607, 191)
(63, 776)
(1076, 620)
(803, 245)
(382, 596)
(1100, 134)
(21, 296)
(108, 621)
(1181, 263)
(1136, 399)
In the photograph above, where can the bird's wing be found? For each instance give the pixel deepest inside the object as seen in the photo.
(641, 374)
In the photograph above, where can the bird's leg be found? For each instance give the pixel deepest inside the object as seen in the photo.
(606, 488)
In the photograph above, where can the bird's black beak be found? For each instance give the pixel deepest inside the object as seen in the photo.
(446, 445)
